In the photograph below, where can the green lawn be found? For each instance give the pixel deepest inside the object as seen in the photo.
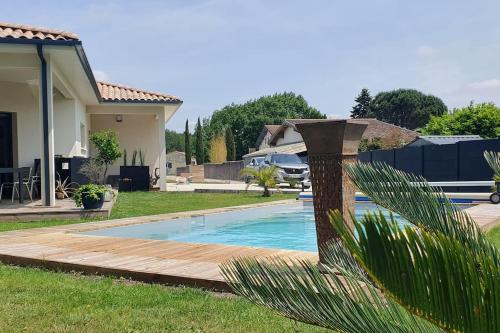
(150, 203)
(34, 300)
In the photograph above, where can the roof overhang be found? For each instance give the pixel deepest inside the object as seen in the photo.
(70, 61)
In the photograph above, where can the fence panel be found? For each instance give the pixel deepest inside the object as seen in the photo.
(472, 165)
(409, 160)
(386, 156)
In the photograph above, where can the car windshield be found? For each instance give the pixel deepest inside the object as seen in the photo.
(285, 158)
(259, 159)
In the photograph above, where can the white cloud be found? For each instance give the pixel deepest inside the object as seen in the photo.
(479, 92)
(100, 75)
(426, 50)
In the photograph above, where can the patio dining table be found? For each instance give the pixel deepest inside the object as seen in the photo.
(19, 172)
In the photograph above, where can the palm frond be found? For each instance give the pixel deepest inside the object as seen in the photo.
(430, 273)
(425, 206)
(336, 255)
(300, 291)
(493, 160)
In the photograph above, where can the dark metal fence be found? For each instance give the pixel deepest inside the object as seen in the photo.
(462, 161)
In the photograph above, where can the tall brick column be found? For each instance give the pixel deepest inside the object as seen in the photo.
(329, 144)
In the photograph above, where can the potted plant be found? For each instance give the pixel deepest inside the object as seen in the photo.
(135, 177)
(64, 189)
(90, 196)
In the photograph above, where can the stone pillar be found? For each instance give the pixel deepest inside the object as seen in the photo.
(330, 143)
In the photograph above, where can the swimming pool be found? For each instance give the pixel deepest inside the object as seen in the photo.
(289, 226)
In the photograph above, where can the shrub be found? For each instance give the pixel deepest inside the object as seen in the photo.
(108, 148)
(92, 192)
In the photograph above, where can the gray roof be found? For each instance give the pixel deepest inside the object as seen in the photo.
(290, 148)
(447, 139)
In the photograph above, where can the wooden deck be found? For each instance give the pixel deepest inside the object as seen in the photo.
(64, 248)
(34, 210)
(169, 262)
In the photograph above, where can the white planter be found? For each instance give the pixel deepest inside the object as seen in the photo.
(108, 196)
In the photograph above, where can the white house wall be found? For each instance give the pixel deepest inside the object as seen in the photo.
(290, 136)
(22, 100)
(19, 98)
(134, 132)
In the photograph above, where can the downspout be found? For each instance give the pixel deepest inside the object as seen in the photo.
(45, 124)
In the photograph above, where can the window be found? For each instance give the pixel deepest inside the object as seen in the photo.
(83, 139)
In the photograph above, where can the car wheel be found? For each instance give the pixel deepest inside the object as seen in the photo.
(495, 198)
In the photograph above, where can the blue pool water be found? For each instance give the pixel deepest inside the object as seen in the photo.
(288, 226)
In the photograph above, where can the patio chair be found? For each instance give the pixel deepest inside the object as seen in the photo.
(35, 181)
(25, 181)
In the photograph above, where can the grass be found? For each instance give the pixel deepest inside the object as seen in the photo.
(38, 300)
(131, 204)
(150, 203)
(35, 300)
(494, 236)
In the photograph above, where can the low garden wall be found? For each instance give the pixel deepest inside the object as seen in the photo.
(224, 171)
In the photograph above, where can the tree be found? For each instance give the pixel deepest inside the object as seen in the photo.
(187, 144)
(108, 149)
(218, 150)
(230, 145)
(173, 141)
(246, 120)
(362, 109)
(439, 274)
(265, 177)
(199, 146)
(407, 108)
(481, 119)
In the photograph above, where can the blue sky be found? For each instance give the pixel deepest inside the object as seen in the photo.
(212, 53)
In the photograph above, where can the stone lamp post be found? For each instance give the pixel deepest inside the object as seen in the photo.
(330, 143)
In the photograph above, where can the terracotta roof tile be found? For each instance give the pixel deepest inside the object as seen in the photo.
(111, 92)
(11, 30)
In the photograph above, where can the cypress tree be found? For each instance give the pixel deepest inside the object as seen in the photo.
(187, 144)
(363, 104)
(230, 145)
(199, 147)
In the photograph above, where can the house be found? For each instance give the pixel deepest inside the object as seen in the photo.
(176, 159)
(286, 139)
(265, 136)
(50, 102)
(426, 140)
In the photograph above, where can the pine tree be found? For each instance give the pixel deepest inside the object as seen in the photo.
(362, 108)
(187, 144)
(199, 147)
(230, 145)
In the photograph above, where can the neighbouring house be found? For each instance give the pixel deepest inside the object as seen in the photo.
(50, 102)
(177, 159)
(427, 140)
(286, 139)
(265, 136)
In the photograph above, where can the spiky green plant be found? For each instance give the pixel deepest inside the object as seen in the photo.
(133, 162)
(440, 274)
(142, 157)
(125, 158)
(265, 177)
(493, 159)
